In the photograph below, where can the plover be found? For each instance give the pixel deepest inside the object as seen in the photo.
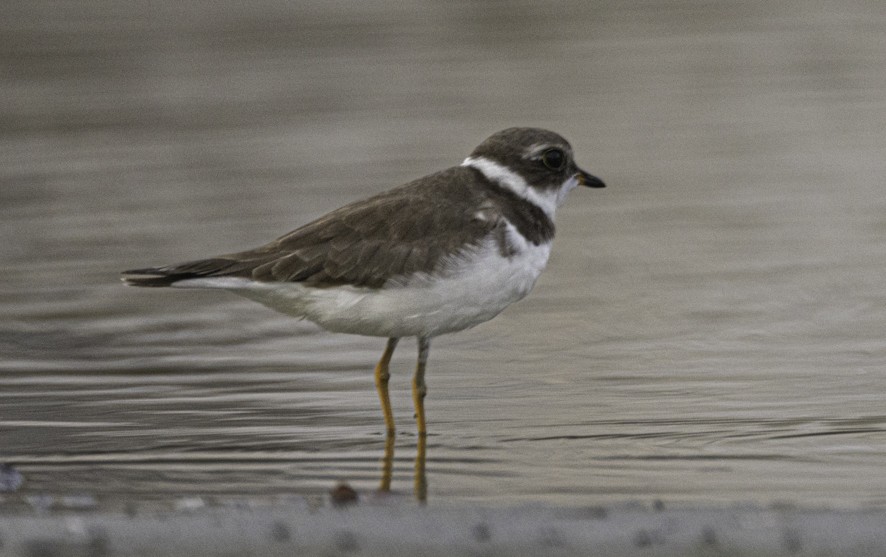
(437, 255)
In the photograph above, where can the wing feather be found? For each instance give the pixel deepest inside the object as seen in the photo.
(414, 228)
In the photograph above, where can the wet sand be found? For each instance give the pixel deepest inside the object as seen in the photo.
(386, 529)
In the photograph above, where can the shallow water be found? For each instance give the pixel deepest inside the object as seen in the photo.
(710, 328)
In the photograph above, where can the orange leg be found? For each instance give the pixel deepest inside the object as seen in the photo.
(382, 375)
(419, 389)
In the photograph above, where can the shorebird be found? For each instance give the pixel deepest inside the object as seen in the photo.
(437, 255)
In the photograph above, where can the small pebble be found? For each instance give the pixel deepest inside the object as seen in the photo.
(78, 502)
(40, 503)
(343, 495)
(190, 504)
(10, 478)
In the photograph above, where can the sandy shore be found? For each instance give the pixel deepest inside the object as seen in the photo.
(302, 528)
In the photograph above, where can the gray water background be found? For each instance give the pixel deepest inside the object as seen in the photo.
(710, 328)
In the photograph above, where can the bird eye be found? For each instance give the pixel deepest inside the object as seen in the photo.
(554, 159)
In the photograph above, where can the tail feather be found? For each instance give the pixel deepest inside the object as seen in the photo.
(169, 275)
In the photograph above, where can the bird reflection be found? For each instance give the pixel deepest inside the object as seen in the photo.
(387, 468)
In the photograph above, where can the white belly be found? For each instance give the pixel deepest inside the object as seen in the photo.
(474, 290)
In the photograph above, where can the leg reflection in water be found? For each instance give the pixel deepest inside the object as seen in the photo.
(387, 467)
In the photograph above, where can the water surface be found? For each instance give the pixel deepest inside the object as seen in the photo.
(710, 328)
